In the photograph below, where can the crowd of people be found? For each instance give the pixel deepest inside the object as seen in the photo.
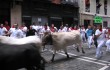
(93, 35)
(34, 29)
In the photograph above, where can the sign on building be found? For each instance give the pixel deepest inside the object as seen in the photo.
(98, 19)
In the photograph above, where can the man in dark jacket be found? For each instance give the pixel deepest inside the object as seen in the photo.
(95, 38)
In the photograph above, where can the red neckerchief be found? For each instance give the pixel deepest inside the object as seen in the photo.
(7, 27)
(109, 30)
(45, 27)
(72, 28)
(21, 27)
(13, 26)
(100, 29)
(52, 29)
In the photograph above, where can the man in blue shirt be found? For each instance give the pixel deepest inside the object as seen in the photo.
(89, 33)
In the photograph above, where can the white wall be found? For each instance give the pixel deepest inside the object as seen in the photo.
(93, 6)
(16, 15)
(82, 6)
(108, 7)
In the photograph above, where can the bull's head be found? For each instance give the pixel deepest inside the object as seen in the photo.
(47, 39)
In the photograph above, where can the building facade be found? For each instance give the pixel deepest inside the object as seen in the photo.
(50, 12)
(91, 8)
(40, 11)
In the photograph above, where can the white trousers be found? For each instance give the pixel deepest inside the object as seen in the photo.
(90, 40)
(108, 45)
(83, 38)
(99, 48)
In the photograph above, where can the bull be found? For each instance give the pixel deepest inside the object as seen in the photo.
(14, 57)
(60, 40)
(26, 40)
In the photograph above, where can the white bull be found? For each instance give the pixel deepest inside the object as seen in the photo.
(60, 40)
(25, 40)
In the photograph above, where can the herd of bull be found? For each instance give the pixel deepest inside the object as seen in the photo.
(26, 52)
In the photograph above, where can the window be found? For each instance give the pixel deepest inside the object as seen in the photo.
(87, 5)
(105, 24)
(98, 5)
(86, 23)
(105, 7)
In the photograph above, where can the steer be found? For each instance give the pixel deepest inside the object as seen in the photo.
(60, 40)
(14, 57)
(25, 40)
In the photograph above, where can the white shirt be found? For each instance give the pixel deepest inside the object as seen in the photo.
(33, 26)
(24, 30)
(48, 30)
(2, 31)
(16, 33)
(66, 29)
(11, 30)
(82, 31)
(86, 30)
(63, 30)
(40, 29)
(102, 37)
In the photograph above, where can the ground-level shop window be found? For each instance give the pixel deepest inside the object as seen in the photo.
(105, 24)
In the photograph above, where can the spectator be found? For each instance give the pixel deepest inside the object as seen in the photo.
(6, 25)
(16, 32)
(3, 30)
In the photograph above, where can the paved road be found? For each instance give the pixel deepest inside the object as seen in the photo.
(77, 61)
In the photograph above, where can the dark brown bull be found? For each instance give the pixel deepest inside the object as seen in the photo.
(14, 57)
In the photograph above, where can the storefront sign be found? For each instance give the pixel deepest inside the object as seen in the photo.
(39, 20)
(98, 19)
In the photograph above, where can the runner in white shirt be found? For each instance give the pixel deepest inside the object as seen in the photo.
(24, 30)
(46, 29)
(16, 32)
(101, 39)
(35, 27)
(3, 30)
(83, 32)
(40, 29)
(53, 28)
(66, 28)
(61, 29)
(108, 41)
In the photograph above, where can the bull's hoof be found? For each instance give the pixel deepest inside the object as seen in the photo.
(77, 49)
(52, 60)
(68, 56)
(83, 51)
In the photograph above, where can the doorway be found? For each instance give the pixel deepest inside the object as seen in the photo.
(86, 23)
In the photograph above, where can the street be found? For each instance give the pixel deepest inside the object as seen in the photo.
(77, 61)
